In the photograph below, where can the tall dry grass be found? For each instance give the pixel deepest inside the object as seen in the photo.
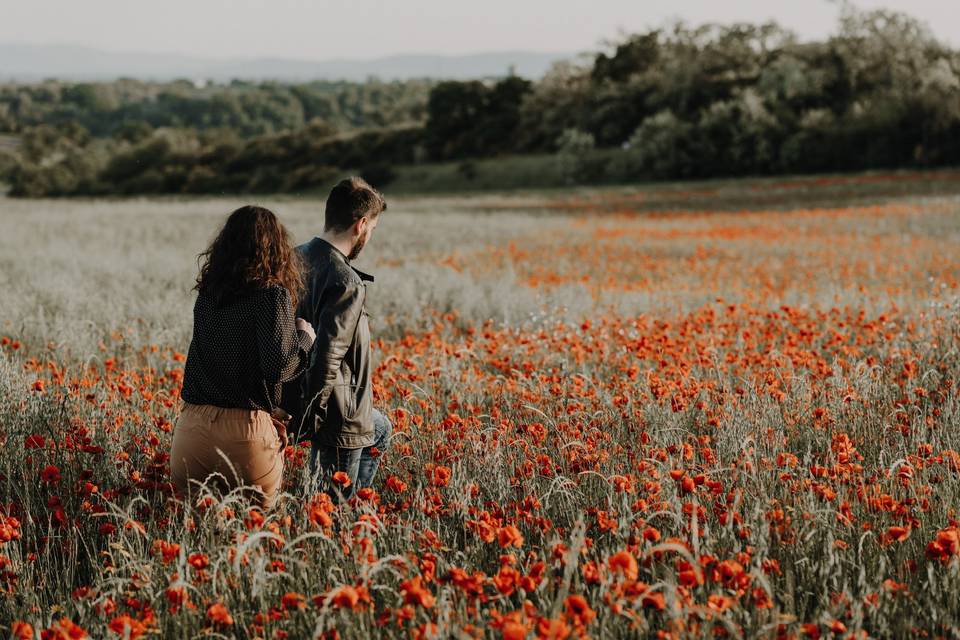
(610, 422)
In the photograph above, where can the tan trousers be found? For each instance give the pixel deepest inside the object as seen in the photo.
(238, 447)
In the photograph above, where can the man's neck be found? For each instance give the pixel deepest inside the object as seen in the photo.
(340, 241)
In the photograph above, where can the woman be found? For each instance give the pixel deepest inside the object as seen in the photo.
(245, 344)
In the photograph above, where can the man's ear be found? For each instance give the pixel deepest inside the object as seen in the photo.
(360, 226)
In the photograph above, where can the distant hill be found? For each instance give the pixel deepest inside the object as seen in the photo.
(69, 62)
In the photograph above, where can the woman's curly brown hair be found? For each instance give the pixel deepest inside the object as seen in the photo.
(251, 252)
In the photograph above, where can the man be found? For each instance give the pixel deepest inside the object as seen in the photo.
(333, 402)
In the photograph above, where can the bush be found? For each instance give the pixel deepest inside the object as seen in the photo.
(378, 175)
(573, 146)
(8, 161)
(663, 147)
(467, 169)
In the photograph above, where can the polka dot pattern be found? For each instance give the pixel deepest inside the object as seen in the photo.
(242, 353)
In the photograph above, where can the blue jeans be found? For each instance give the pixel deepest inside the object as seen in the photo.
(359, 464)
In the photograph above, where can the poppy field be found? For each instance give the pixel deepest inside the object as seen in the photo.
(718, 411)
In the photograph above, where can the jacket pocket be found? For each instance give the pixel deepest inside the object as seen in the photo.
(352, 391)
(346, 390)
(346, 405)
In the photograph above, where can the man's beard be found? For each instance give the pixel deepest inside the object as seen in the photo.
(355, 251)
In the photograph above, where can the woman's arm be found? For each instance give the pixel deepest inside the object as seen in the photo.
(284, 350)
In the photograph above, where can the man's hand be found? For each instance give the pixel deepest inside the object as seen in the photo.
(281, 428)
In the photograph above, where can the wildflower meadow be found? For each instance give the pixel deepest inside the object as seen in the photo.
(725, 410)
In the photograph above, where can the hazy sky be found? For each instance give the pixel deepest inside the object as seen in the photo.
(322, 29)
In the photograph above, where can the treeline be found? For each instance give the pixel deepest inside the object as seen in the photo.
(184, 161)
(678, 102)
(130, 137)
(724, 101)
(128, 108)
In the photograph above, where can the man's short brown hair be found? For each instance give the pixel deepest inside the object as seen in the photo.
(351, 200)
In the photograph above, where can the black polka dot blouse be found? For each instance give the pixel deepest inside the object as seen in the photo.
(242, 353)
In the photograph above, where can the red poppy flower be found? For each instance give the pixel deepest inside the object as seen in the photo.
(578, 609)
(345, 597)
(218, 614)
(415, 593)
(20, 630)
(509, 536)
(292, 600)
(127, 627)
(624, 563)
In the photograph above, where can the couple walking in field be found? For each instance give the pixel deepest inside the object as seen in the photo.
(281, 343)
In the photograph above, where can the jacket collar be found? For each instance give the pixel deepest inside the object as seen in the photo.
(366, 277)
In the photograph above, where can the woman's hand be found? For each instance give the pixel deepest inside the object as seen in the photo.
(281, 428)
(306, 327)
